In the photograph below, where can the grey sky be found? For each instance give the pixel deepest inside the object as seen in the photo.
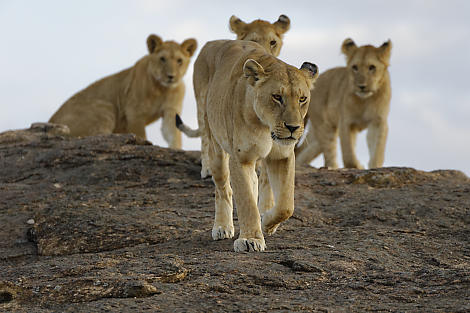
(52, 49)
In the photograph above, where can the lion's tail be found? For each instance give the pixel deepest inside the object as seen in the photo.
(185, 129)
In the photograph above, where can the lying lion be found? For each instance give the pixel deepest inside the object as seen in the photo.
(347, 100)
(252, 108)
(127, 101)
(268, 36)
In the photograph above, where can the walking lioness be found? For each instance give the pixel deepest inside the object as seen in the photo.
(269, 36)
(348, 100)
(128, 101)
(253, 107)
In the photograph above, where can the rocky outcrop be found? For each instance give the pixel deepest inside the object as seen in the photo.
(115, 224)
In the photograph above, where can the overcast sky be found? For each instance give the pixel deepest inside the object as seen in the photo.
(52, 49)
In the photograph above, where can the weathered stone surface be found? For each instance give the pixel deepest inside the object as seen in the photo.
(114, 224)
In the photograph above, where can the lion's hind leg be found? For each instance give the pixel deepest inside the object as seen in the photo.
(266, 197)
(89, 118)
(218, 161)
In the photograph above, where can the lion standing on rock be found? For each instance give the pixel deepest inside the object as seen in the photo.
(252, 107)
(347, 100)
(128, 101)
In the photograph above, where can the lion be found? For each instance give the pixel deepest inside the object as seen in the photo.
(347, 100)
(268, 35)
(127, 101)
(253, 107)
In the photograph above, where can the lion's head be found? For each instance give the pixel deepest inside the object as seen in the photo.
(168, 61)
(366, 65)
(266, 34)
(282, 95)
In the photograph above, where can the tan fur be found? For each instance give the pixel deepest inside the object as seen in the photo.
(339, 105)
(247, 100)
(128, 101)
(268, 35)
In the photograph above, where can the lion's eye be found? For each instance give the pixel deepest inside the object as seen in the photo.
(372, 68)
(163, 59)
(354, 68)
(180, 61)
(277, 98)
(302, 99)
(273, 43)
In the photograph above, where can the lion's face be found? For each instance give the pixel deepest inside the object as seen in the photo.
(367, 66)
(281, 99)
(266, 34)
(168, 61)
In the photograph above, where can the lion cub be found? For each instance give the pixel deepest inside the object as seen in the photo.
(127, 101)
(269, 36)
(252, 106)
(347, 100)
(266, 34)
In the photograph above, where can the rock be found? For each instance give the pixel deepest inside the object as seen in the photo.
(116, 224)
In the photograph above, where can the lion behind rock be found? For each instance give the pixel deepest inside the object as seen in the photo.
(127, 101)
(253, 107)
(347, 100)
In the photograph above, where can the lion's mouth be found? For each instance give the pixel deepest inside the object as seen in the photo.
(364, 94)
(283, 140)
(169, 83)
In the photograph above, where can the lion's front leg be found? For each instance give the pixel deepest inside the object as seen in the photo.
(170, 133)
(347, 137)
(376, 140)
(136, 126)
(281, 176)
(242, 176)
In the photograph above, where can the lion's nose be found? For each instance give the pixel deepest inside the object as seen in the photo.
(362, 87)
(170, 77)
(291, 128)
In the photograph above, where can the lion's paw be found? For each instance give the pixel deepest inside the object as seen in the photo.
(268, 229)
(249, 244)
(205, 172)
(222, 232)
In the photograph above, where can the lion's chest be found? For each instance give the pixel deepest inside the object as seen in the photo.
(148, 109)
(358, 115)
(250, 146)
(247, 142)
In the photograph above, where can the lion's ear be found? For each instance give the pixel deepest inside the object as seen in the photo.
(153, 41)
(189, 45)
(253, 71)
(282, 24)
(311, 71)
(348, 47)
(385, 51)
(237, 26)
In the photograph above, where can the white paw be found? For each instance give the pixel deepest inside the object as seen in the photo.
(268, 230)
(222, 232)
(249, 244)
(205, 172)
